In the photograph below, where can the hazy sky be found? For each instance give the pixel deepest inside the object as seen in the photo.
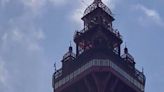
(36, 33)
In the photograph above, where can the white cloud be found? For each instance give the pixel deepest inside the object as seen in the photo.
(3, 73)
(21, 51)
(34, 5)
(38, 4)
(151, 14)
(112, 3)
(23, 61)
(58, 2)
(4, 2)
(30, 40)
(17, 35)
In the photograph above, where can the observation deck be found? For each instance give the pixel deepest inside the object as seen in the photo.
(136, 80)
(115, 32)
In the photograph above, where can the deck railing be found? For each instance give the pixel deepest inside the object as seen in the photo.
(114, 31)
(100, 63)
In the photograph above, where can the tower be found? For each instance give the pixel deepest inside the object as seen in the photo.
(98, 65)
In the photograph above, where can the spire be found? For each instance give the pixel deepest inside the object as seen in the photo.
(97, 1)
(125, 49)
(70, 47)
(55, 66)
(142, 70)
(69, 54)
(126, 54)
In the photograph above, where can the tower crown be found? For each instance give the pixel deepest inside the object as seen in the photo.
(97, 4)
(98, 31)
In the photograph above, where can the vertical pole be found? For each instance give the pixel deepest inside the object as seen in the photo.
(101, 84)
(119, 50)
(77, 49)
(114, 85)
(88, 85)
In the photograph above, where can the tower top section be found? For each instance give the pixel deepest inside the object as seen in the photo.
(97, 1)
(97, 4)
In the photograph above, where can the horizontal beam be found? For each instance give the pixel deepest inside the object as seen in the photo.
(99, 63)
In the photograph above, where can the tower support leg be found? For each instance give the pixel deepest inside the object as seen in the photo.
(101, 84)
(114, 85)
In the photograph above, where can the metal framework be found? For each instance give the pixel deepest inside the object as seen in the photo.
(97, 4)
(98, 65)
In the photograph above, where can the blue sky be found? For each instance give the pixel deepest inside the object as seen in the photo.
(36, 33)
